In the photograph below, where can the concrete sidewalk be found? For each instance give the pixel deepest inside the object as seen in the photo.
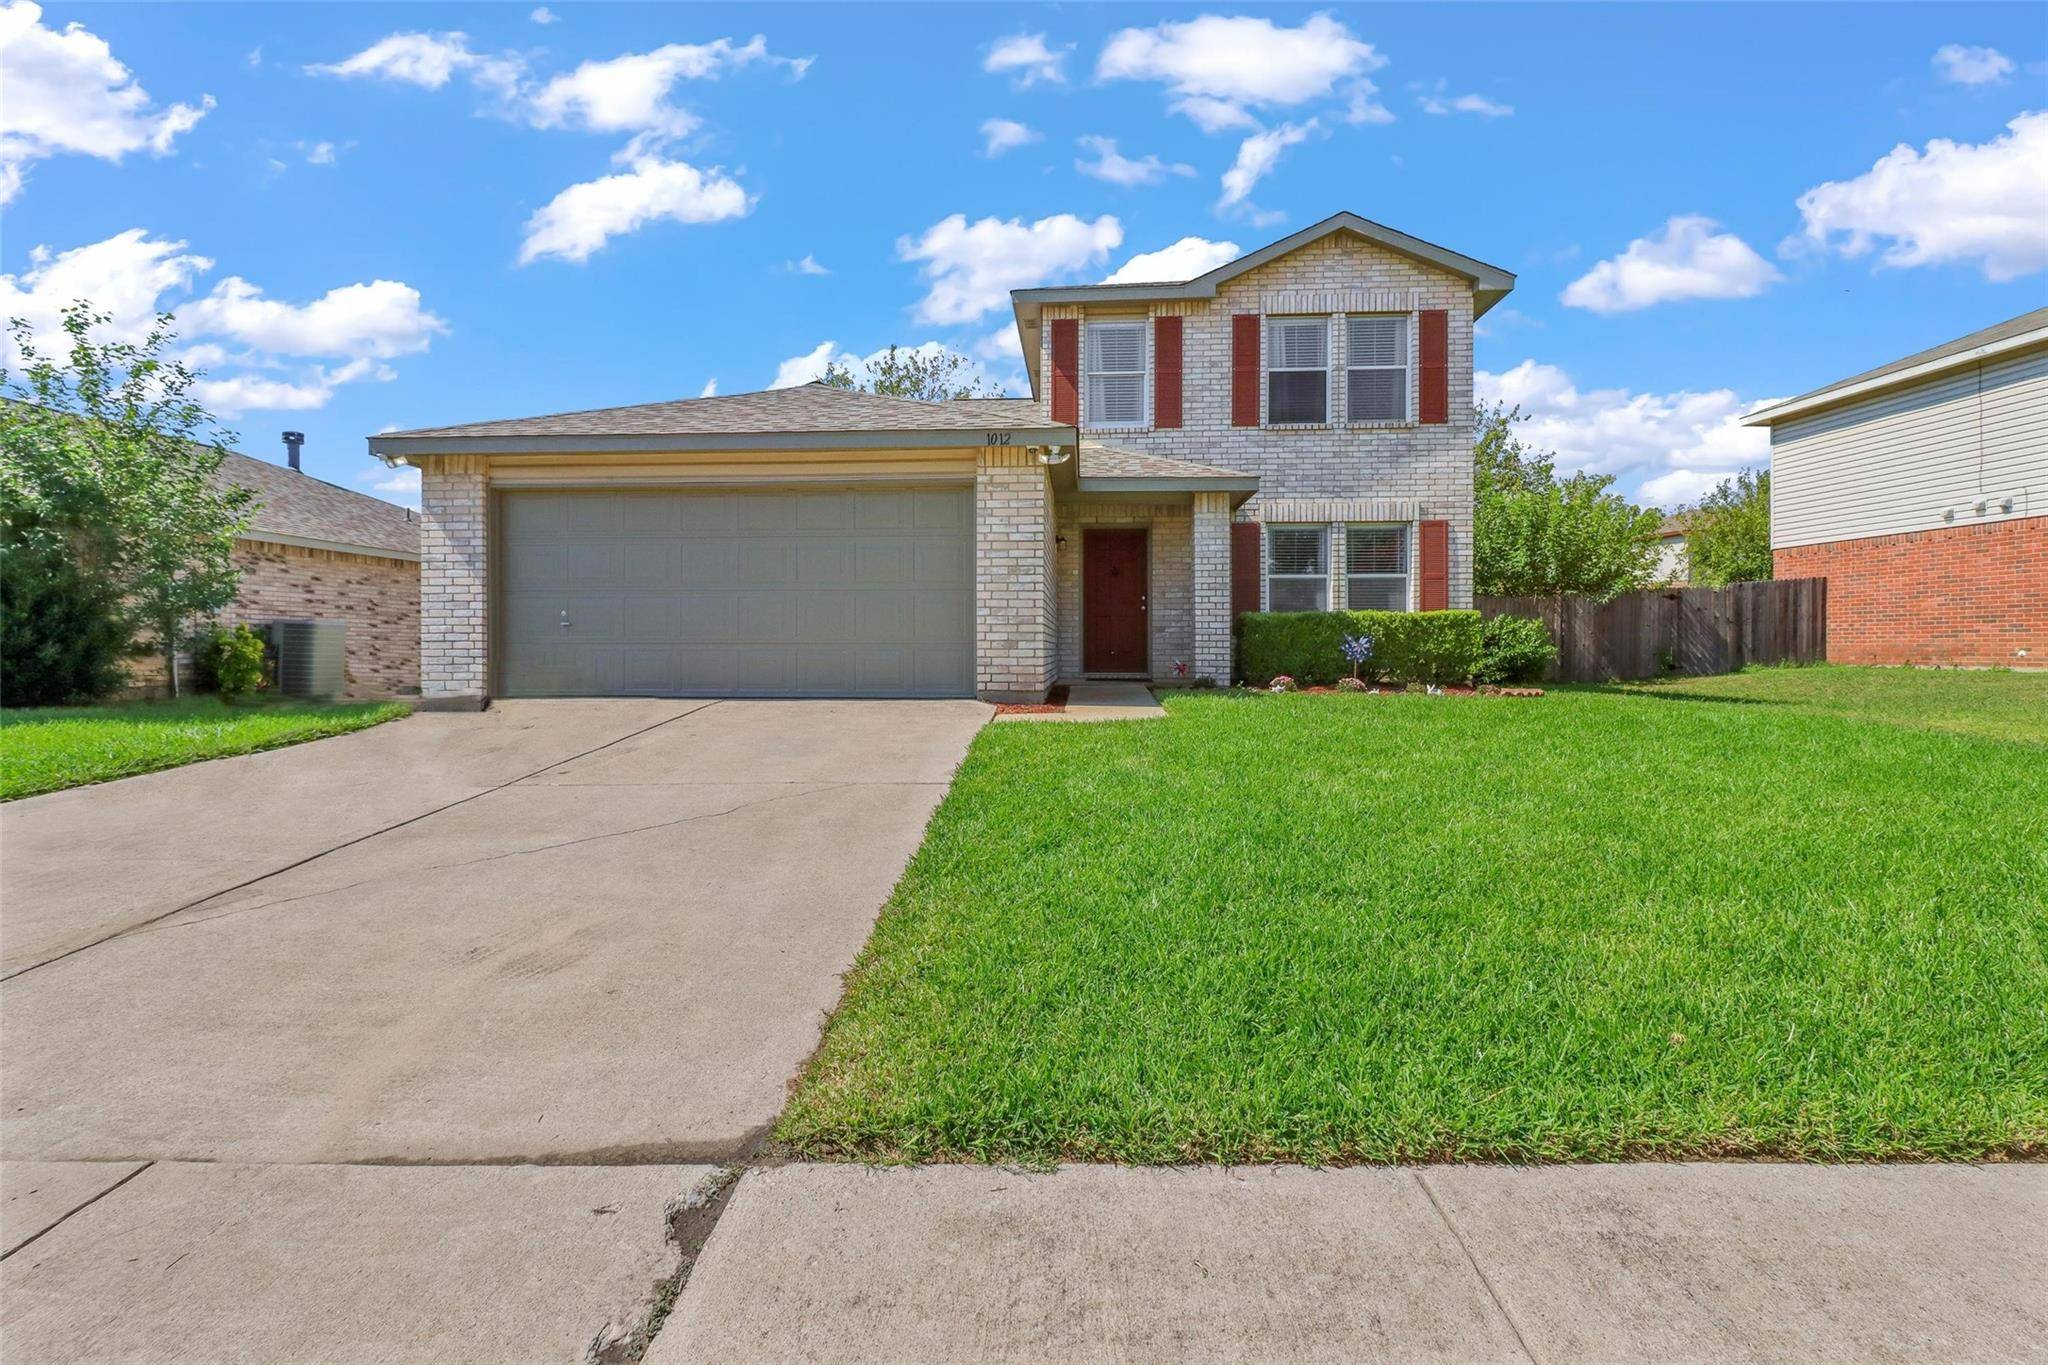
(1453, 1263)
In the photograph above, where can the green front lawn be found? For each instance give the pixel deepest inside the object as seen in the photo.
(49, 749)
(1769, 914)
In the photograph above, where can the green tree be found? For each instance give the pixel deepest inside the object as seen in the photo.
(103, 461)
(1728, 534)
(931, 375)
(1536, 535)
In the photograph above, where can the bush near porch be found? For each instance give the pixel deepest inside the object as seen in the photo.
(1790, 912)
(1407, 646)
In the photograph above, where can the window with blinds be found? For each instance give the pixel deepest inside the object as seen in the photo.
(1115, 384)
(1297, 568)
(1297, 371)
(1376, 568)
(1376, 368)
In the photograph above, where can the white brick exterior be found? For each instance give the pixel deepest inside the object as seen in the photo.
(1014, 591)
(1333, 473)
(454, 581)
(1212, 586)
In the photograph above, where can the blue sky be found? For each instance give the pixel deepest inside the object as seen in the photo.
(376, 216)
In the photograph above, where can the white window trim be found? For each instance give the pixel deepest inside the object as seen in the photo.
(1269, 353)
(1408, 390)
(1144, 373)
(1267, 574)
(1407, 573)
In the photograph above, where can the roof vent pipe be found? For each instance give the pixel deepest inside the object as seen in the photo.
(292, 441)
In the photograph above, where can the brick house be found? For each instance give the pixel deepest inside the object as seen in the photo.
(1919, 491)
(1291, 430)
(314, 549)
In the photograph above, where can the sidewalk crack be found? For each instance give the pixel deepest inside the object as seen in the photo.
(1472, 1260)
(87, 1204)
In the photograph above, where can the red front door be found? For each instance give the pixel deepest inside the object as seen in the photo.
(1114, 621)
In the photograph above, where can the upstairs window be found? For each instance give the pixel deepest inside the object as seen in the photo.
(1376, 369)
(1115, 383)
(1297, 569)
(1376, 568)
(1297, 371)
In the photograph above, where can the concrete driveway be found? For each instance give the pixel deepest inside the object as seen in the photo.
(576, 933)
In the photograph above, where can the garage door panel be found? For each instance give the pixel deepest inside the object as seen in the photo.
(807, 592)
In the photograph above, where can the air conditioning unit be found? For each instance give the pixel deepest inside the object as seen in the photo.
(310, 658)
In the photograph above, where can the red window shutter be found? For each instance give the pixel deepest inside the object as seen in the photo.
(1166, 372)
(1435, 367)
(1244, 370)
(1244, 567)
(1433, 553)
(1066, 370)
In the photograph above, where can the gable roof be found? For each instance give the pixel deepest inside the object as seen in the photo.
(298, 509)
(1490, 284)
(811, 416)
(2014, 333)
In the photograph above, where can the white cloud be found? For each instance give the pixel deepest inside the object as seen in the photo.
(1222, 67)
(1256, 156)
(1670, 440)
(802, 369)
(710, 389)
(1113, 166)
(1686, 259)
(1026, 58)
(1960, 65)
(1185, 259)
(1981, 203)
(544, 15)
(630, 94)
(585, 216)
(427, 60)
(1680, 486)
(318, 153)
(807, 266)
(973, 267)
(1363, 105)
(401, 485)
(1001, 135)
(259, 353)
(1438, 103)
(67, 93)
(1001, 347)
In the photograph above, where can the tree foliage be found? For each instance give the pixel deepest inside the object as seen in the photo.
(1728, 534)
(106, 461)
(930, 374)
(1537, 535)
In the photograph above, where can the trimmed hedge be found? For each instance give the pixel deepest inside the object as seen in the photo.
(1407, 646)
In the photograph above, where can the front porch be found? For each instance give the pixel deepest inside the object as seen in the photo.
(1134, 584)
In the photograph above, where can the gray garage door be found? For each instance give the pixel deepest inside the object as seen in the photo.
(812, 592)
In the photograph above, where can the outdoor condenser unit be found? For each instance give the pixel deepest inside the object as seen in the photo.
(309, 657)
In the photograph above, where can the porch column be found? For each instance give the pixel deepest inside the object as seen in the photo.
(1212, 587)
(455, 635)
(1013, 576)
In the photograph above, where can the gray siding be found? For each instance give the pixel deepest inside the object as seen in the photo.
(1895, 462)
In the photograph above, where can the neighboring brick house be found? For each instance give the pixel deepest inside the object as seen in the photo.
(1291, 430)
(318, 550)
(1919, 491)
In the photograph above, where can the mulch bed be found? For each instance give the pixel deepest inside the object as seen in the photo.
(1055, 700)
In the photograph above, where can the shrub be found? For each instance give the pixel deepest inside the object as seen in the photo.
(63, 635)
(233, 659)
(1407, 646)
(1514, 649)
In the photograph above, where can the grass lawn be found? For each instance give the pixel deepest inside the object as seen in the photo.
(49, 749)
(1610, 923)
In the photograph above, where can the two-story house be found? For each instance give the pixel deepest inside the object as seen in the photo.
(1291, 431)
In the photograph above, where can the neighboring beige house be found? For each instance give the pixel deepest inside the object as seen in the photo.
(318, 550)
(1672, 566)
(1292, 430)
(1919, 491)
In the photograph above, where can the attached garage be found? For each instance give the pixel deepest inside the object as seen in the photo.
(735, 592)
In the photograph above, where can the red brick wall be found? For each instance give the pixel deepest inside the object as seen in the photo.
(379, 598)
(1971, 595)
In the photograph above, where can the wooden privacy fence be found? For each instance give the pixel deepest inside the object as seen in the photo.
(1689, 630)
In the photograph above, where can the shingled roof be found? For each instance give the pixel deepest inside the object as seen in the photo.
(812, 416)
(298, 509)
